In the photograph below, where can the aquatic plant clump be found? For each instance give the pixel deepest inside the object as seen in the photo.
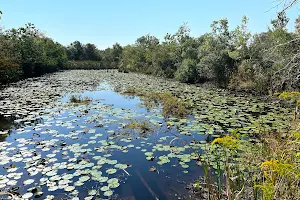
(79, 99)
(171, 105)
(142, 126)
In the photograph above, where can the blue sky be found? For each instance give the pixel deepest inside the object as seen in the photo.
(106, 22)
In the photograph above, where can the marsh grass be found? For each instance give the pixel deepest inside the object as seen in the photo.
(143, 126)
(79, 100)
(171, 105)
(267, 169)
(130, 91)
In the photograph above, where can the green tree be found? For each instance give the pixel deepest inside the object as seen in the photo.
(36, 53)
(90, 52)
(297, 25)
(54, 56)
(280, 22)
(116, 54)
(240, 40)
(10, 69)
(75, 51)
(30, 49)
(187, 71)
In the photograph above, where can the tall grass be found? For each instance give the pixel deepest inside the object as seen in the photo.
(171, 105)
(242, 169)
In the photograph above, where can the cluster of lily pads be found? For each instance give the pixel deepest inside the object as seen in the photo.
(59, 147)
(67, 150)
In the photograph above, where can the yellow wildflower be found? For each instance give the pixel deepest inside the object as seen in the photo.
(227, 141)
(290, 95)
(276, 167)
(269, 164)
(296, 134)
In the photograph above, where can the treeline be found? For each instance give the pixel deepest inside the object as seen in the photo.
(230, 58)
(26, 52)
(90, 57)
(234, 59)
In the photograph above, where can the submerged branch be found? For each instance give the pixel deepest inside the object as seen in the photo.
(146, 185)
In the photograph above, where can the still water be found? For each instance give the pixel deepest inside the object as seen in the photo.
(87, 151)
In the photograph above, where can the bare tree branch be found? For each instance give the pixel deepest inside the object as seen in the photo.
(288, 4)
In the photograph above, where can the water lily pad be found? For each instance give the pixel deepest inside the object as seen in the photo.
(69, 188)
(185, 166)
(28, 182)
(103, 179)
(108, 193)
(111, 171)
(78, 183)
(121, 166)
(152, 169)
(104, 188)
(92, 192)
(148, 154)
(111, 162)
(68, 176)
(149, 158)
(12, 183)
(27, 195)
(84, 178)
(113, 185)
(52, 188)
(113, 180)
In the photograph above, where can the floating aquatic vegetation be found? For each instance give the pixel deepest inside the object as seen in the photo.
(108, 193)
(152, 169)
(27, 195)
(69, 188)
(28, 182)
(111, 171)
(104, 188)
(92, 192)
(65, 148)
(121, 166)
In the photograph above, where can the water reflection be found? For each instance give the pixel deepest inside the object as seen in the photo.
(5, 125)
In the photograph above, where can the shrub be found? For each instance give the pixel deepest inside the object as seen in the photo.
(250, 76)
(187, 72)
(217, 66)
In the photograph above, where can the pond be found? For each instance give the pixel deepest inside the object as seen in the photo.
(112, 146)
